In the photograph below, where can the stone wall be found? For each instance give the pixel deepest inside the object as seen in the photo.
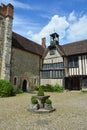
(51, 81)
(6, 49)
(24, 66)
(6, 18)
(1, 41)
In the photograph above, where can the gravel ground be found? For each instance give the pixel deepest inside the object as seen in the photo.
(70, 114)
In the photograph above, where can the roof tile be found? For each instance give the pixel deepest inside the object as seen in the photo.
(79, 47)
(20, 42)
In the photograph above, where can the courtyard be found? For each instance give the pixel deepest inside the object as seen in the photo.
(70, 114)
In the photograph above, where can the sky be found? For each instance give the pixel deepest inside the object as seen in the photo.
(35, 19)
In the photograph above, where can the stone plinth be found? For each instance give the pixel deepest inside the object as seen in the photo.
(41, 100)
(41, 106)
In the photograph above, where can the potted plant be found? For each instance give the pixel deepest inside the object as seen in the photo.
(48, 104)
(34, 100)
(34, 104)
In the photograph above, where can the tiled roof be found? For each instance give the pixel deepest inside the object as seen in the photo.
(75, 48)
(23, 43)
(79, 47)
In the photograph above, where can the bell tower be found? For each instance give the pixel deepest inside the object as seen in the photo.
(6, 19)
(54, 39)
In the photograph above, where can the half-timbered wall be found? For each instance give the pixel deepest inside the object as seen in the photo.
(55, 75)
(82, 66)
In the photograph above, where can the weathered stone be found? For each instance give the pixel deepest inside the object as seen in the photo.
(24, 66)
(41, 100)
(5, 46)
(41, 106)
(48, 106)
(33, 107)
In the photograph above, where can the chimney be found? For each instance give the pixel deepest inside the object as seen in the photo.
(6, 10)
(44, 42)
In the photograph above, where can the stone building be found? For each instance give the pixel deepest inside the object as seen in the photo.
(19, 57)
(26, 63)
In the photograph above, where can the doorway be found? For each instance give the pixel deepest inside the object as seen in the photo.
(75, 83)
(24, 86)
(72, 83)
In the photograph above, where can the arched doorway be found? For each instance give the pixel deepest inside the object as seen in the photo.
(24, 86)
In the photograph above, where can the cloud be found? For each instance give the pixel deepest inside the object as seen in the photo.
(78, 30)
(17, 4)
(69, 28)
(56, 24)
(72, 17)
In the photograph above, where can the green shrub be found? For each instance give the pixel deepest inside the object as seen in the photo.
(57, 88)
(19, 91)
(37, 87)
(40, 92)
(34, 100)
(84, 91)
(48, 101)
(6, 89)
(47, 88)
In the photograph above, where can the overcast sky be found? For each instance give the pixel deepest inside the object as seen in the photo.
(36, 19)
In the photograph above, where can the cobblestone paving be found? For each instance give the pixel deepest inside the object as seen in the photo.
(70, 114)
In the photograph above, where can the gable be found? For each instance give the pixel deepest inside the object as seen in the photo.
(57, 50)
(53, 54)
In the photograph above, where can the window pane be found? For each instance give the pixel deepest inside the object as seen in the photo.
(76, 62)
(54, 65)
(73, 61)
(60, 74)
(54, 74)
(60, 65)
(45, 74)
(71, 64)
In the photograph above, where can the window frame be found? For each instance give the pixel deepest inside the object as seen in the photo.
(58, 74)
(50, 66)
(73, 62)
(45, 74)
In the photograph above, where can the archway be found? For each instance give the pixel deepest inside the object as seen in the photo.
(24, 86)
